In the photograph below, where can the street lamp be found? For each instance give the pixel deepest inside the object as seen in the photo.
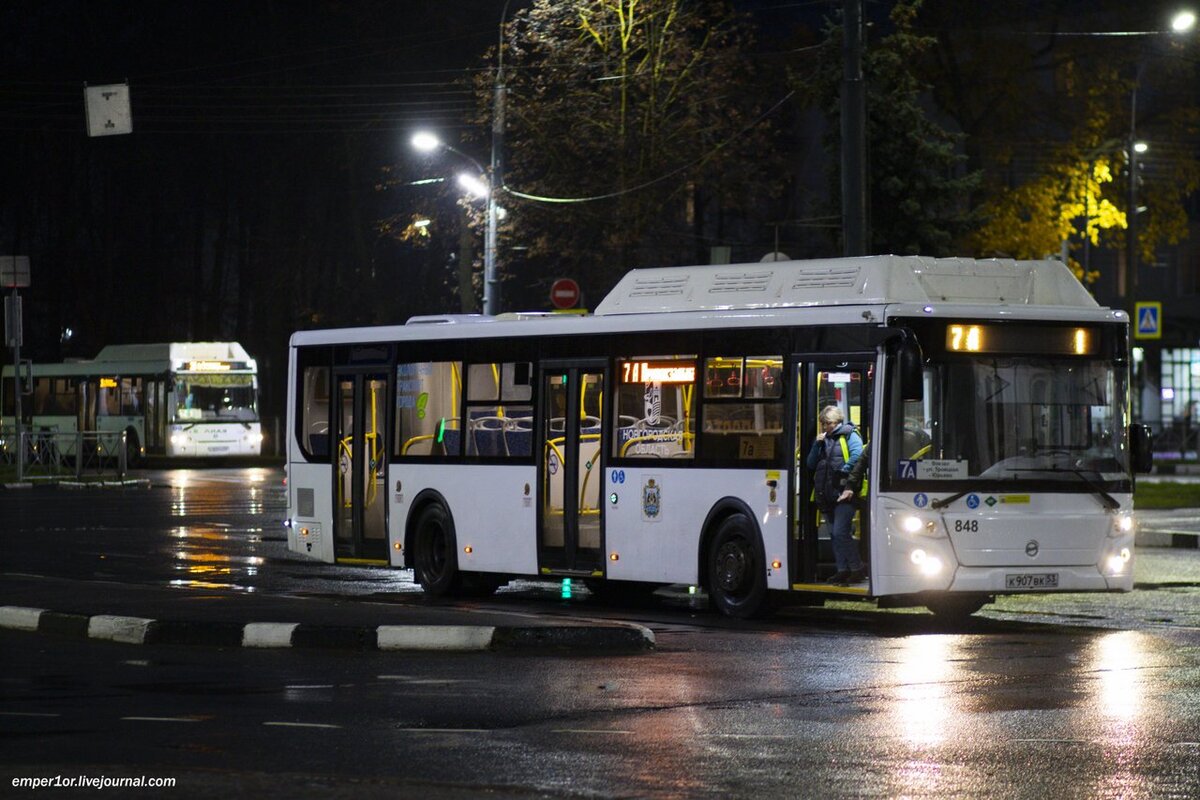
(1182, 22)
(426, 142)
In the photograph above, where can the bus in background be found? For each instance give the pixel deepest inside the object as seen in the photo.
(662, 440)
(178, 399)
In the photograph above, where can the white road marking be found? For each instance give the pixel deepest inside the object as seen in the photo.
(301, 725)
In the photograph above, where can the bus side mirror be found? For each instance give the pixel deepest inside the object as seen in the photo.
(910, 364)
(1141, 448)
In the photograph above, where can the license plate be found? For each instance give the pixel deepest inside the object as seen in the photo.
(1041, 580)
(224, 449)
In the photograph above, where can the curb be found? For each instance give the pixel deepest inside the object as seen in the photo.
(70, 483)
(623, 637)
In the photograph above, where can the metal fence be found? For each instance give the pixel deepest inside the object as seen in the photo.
(41, 455)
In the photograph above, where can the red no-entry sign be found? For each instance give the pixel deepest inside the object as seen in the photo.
(564, 293)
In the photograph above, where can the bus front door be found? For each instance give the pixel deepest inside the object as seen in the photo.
(360, 458)
(570, 470)
(848, 386)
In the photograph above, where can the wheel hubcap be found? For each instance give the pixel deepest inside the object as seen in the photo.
(732, 563)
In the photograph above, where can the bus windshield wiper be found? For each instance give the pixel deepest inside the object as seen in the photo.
(1110, 502)
(938, 504)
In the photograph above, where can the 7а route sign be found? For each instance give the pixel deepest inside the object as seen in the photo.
(1147, 320)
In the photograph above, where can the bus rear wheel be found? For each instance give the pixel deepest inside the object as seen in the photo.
(737, 576)
(436, 563)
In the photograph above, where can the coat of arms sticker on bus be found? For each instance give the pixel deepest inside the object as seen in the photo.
(651, 500)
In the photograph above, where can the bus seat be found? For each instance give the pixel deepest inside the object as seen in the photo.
(487, 436)
(518, 436)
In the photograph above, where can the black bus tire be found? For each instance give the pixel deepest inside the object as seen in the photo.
(737, 575)
(436, 563)
(956, 608)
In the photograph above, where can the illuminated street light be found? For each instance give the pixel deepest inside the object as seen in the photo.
(473, 185)
(426, 142)
(1183, 21)
(1140, 147)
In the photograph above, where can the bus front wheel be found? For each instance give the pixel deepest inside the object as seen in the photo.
(133, 448)
(956, 607)
(436, 564)
(737, 577)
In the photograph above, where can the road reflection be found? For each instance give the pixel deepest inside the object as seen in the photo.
(1118, 662)
(925, 673)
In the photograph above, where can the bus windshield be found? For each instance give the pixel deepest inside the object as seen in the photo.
(1045, 422)
(200, 398)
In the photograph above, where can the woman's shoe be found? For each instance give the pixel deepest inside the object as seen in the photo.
(840, 578)
(857, 576)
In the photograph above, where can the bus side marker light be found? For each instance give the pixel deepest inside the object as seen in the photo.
(468, 549)
(397, 546)
(777, 564)
(304, 531)
(614, 556)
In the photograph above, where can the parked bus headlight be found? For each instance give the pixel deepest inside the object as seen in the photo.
(1124, 524)
(179, 439)
(929, 565)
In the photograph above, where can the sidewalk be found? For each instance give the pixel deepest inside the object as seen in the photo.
(137, 614)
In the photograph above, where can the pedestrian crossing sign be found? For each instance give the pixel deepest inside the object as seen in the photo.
(1149, 320)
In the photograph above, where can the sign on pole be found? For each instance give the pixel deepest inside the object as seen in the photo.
(14, 272)
(564, 293)
(107, 109)
(1148, 322)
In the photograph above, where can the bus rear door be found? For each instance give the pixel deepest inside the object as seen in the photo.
(360, 497)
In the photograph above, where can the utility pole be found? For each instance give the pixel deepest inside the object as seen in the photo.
(854, 161)
(491, 278)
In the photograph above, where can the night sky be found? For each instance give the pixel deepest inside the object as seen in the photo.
(246, 203)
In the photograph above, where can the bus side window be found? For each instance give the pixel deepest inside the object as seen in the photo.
(505, 428)
(314, 412)
(428, 397)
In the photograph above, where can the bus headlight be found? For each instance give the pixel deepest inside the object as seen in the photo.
(1124, 524)
(178, 439)
(929, 565)
(1115, 563)
(914, 524)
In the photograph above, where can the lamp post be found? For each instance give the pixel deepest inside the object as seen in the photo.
(1181, 22)
(477, 185)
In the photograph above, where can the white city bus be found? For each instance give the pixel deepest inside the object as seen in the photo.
(178, 399)
(661, 440)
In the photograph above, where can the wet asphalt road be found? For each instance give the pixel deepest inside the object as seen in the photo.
(1067, 696)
